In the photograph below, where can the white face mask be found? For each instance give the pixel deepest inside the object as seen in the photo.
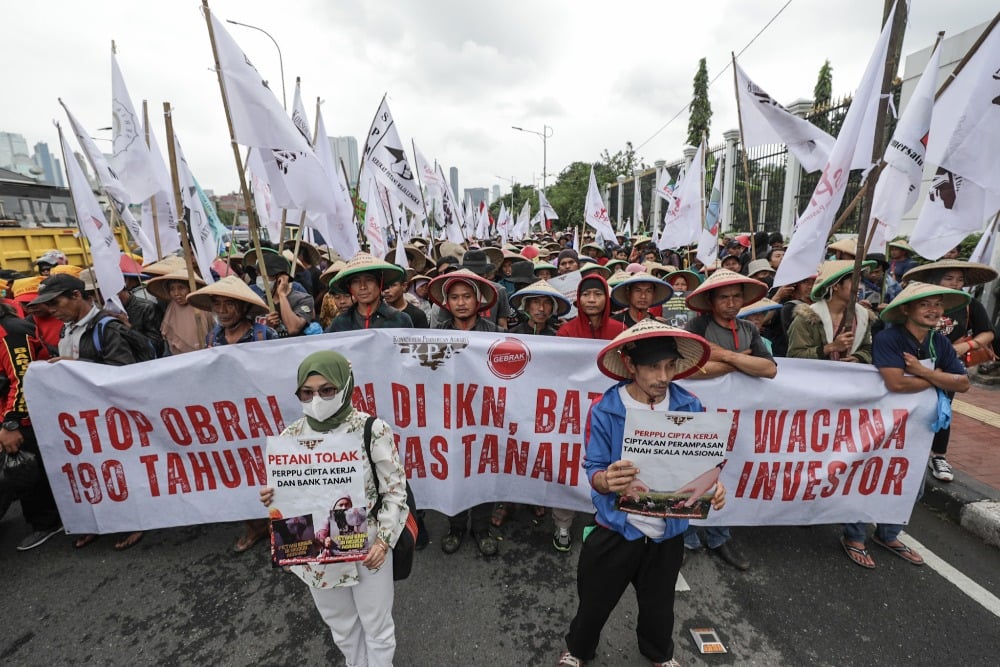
(321, 409)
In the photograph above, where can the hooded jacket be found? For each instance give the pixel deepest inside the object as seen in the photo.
(605, 431)
(580, 327)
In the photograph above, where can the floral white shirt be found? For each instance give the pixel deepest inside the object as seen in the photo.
(392, 484)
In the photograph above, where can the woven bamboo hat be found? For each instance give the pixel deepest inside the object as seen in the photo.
(363, 262)
(830, 272)
(691, 279)
(230, 287)
(542, 288)
(975, 273)
(753, 290)
(415, 257)
(848, 246)
(661, 290)
(589, 268)
(169, 264)
(306, 250)
(332, 271)
(915, 291)
(541, 266)
(692, 350)
(765, 305)
(439, 287)
(158, 286)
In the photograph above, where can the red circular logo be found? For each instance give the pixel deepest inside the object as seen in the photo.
(508, 358)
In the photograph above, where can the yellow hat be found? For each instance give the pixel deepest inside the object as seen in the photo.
(66, 268)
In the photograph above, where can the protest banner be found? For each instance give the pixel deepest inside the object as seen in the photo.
(319, 512)
(477, 417)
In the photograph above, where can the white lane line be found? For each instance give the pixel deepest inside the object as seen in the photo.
(682, 584)
(962, 582)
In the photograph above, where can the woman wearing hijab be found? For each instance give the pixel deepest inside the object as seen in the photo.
(354, 598)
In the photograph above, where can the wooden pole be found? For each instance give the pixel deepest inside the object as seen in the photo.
(152, 200)
(254, 224)
(746, 165)
(878, 148)
(181, 223)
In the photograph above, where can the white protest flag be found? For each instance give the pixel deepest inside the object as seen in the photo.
(983, 252)
(203, 240)
(595, 213)
(428, 175)
(259, 121)
(340, 232)
(965, 142)
(545, 207)
(268, 211)
(523, 224)
(299, 118)
(164, 227)
(708, 243)
(665, 185)
(111, 185)
(130, 156)
(375, 222)
(805, 251)
(385, 158)
(482, 222)
(450, 212)
(898, 186)
(683, 219)
(104, 249)
(767, 122)
(505, 224)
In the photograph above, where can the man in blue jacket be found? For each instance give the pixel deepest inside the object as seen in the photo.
(629, 548)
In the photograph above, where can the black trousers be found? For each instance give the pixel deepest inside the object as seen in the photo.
(478, 517)
(608, 564)
(37, 505)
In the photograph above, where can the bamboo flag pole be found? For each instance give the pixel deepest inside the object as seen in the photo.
(746, 166)
(152, 200)
(254, 223)
(181, 223)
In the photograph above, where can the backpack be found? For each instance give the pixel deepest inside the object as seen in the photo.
(142, 348)
(402, 553)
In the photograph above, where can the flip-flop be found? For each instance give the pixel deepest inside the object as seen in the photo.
(499, 516)
(903, 551)
(130, 541)
(856, 555)
(84, 540)
(246, 542)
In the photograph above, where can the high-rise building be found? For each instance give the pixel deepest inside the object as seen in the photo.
(477, 196)
(14, 154)
(345, 149)
(496, 192)
(453, 179)
(43, 160)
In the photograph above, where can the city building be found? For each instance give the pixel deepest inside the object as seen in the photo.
(345, 149)
(44, 160)
(496, 192)
(477, 196)
(14, 155)
(453, 179)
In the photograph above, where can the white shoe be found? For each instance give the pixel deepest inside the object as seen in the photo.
(940, 468)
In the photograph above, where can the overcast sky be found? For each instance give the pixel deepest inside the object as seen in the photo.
(458, 73)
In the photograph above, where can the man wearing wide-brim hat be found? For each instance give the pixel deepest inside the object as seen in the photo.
(898, 353)
(901, 258)
(365, 277)
(463, 295)
(818, 331)
(539, 302)
(878, 287)
(624, 549)
(477, 261)
(636, 295)
(736, 346)
(969, 330)
(236, 308)
(294, 306)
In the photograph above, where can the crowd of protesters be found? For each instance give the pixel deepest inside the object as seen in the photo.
(893, 314)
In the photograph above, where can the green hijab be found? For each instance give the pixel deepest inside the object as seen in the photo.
(337, 369)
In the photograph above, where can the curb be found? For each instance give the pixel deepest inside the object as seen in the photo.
(973, 505)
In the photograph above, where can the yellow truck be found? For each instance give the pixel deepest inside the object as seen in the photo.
(20, 247)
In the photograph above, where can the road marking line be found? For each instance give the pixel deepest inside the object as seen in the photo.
(962, 582)
(979, 414)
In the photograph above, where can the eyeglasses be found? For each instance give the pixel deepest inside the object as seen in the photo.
(305, 394)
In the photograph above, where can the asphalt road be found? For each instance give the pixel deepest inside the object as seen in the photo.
(181, 597)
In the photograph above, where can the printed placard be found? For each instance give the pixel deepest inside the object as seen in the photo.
(680, 456)
(319, 512)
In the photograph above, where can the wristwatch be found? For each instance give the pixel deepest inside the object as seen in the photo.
(12, 425)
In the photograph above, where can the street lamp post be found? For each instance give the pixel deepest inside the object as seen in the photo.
(281, 62)
(544, 134)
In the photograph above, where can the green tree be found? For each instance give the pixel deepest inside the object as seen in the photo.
(700, 118)
(623, 162)
(823, 95)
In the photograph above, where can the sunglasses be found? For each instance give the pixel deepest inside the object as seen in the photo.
(305, 395)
